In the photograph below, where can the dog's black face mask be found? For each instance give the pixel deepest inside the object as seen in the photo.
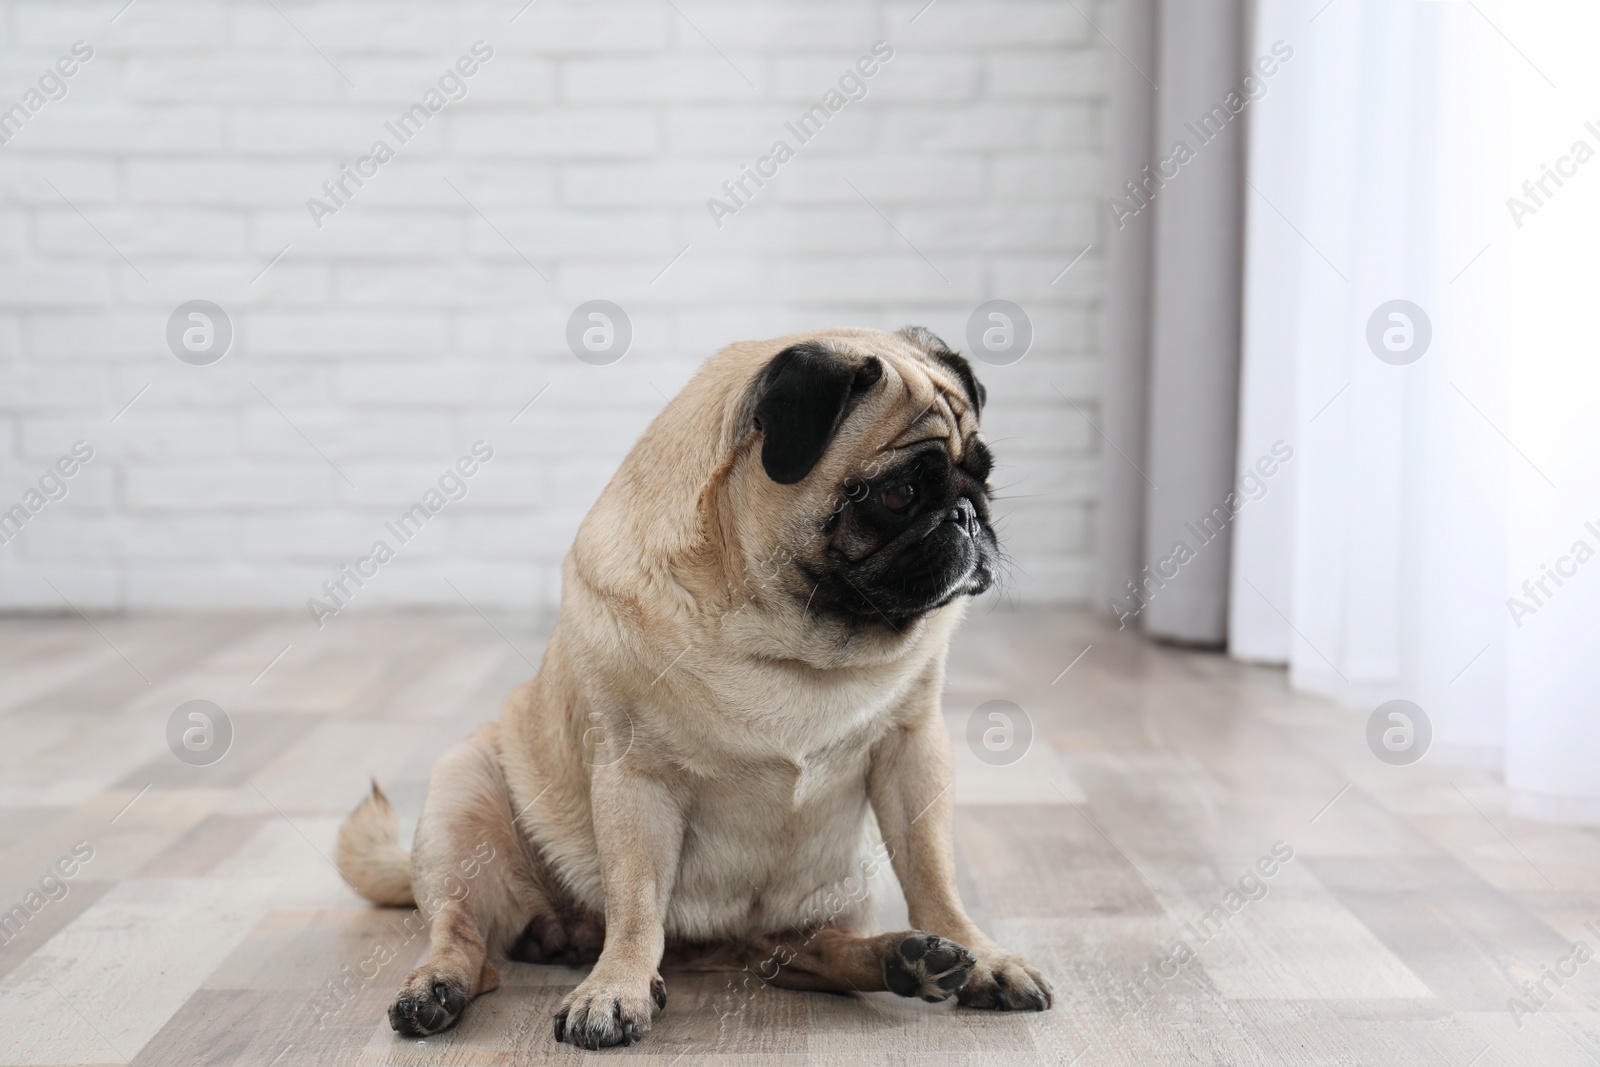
(907, 537)
(915, 537)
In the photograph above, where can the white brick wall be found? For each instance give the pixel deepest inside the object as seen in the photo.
(410, 324)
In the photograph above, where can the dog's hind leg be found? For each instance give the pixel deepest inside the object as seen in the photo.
(834, 959)
(473, 881)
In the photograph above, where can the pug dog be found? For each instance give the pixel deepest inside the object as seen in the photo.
(747, 664)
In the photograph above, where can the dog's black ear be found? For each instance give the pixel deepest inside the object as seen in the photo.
(802, 398)
(957, 364)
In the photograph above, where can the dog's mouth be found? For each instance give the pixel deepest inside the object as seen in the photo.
(952, 558)
(908, 543)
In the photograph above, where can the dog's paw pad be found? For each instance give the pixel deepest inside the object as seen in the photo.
(425, 1008)
(927, 966)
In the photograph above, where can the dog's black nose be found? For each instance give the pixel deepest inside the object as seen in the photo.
(963, 514)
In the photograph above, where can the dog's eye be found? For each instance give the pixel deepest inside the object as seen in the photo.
(898, 499)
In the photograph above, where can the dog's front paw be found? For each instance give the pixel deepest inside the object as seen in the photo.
(603, 1012)
(1005, 982)
(428, 1003)
(927, 966)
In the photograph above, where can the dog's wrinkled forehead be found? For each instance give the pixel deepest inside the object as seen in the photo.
(869, 392)
(942, 411)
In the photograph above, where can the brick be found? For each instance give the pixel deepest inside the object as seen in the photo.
(341, 434)
(1035, 276)
(342, 27)
(280, 587)
(986, 24)
(544, 235)
(1004, 227)
(504, 332)
(100, 335)
(486, 586)
(677, 183)
(208, 486)
(437, 287)
(36, 179)
(575, 133)
(748, 131)
(34, 387)
(389, 333)
(434, 382)
(779, 26)
(166, 25)
(152, 433)
(888, 276)
(985, 126)
(324, 538)
(120, 539)
(599, 29)
(141, 235)
(98, 128)
(235, 284)
(236, 76)
(509, 482)
(883, 180)
(1046, 75)
(693, 75)
(226, 182)
(234, 381)
(921, 78)
(486, 183)
(546, 534)
(363, 231)
(643, 280)
(767, 225)
(83, 285)
(345, 133)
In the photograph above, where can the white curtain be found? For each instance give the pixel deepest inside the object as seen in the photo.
(1424, 490)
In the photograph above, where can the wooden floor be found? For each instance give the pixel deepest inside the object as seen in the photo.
(209, 926)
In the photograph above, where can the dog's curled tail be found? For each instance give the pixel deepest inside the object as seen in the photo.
(370, 856)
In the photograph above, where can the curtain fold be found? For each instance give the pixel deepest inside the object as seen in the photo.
(1130, 120)
(1172, 320)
